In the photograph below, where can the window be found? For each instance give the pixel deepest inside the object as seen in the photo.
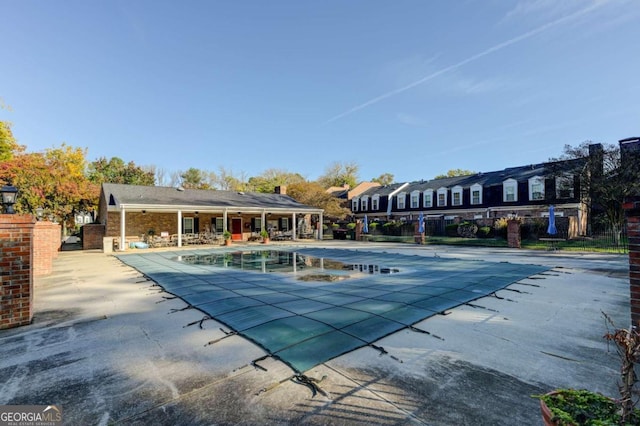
(257, 224)
(401, 200)
(456, 195)
(427, 198)
(442, 197)
(510, 190)
(284, 223)
(536, 188)
(375, 202)
(218, 224)
(187, 225)
(415, 199)
(354, 204)
(476, 193)
(564, 187)
(364, 203)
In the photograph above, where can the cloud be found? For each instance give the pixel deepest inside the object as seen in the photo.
(500, 46)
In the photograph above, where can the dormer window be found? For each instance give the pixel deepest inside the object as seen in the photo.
(456, 195)
(536, 188)
(375, 202)
(427, 198)
(415, 199)
(401, 200)
(354, 204)
(364, 203)
(510, 191)
(476, 194)
(442, 197)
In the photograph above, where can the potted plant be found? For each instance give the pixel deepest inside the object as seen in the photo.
(227, 238)
(265, 236)
(563, 407)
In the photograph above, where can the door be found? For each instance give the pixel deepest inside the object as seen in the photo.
(236, 229)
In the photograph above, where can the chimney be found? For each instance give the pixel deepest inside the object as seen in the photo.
(280, 189)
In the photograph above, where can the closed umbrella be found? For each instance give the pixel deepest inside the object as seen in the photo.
(551, 230)
(421, 223)
(365, 225)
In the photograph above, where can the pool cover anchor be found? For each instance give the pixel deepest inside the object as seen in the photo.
(226, 334)
(383, 351)
(200, 321)
(311, 383)
(419, 330)
(255, 364)
(173, 311)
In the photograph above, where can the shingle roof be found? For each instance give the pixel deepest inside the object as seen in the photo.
(520, 173)
(167, 196)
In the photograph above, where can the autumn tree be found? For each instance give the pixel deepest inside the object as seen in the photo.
(195, 179)
(455, 173)
(384, 179)
(116, 170)
(8, 145)
(54, 180)
(313, 194)
(339, 174)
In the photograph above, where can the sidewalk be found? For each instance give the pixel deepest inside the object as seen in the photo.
(111, 349)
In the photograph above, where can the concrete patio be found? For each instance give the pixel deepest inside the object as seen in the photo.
(110, 348)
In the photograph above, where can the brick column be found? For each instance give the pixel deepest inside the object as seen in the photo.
(16, 270)
(513, 234)
(632, 210)
(46, 245)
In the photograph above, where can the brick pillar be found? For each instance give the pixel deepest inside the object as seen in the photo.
(513, 233)
(632, 210)
(92, 236)
(16, 270)
(46, 245)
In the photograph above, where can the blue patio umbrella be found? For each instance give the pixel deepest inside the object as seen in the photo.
(365, 225)
(551, 230)
(421, 223)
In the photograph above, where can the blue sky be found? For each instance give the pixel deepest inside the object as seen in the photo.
(411, 88)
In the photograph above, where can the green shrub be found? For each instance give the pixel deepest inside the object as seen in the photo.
(451, 230)
(351, 226)
(485, 232)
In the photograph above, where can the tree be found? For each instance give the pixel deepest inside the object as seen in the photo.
(54, 180)
(8, 144)
(195, 179)
(339, 174)
(313, 194)
(116, 171)
(384, 179)
(271, 178)
(454, 173)
(604, 180)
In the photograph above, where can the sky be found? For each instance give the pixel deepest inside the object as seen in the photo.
(413, 88)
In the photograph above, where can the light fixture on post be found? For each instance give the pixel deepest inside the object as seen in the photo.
(9, 194)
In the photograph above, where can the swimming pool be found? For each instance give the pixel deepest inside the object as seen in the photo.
(307, 323)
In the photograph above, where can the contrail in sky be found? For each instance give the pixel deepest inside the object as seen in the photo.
(482, 54)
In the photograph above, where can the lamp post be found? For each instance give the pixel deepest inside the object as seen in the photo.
(9, 194)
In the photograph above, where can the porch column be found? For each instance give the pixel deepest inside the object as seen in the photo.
(179, 228)
(293, 227)
(264, 218)
(320, 228)
(224, 221)
(122, 229)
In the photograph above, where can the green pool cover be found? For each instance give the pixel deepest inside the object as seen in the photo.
(307, 323)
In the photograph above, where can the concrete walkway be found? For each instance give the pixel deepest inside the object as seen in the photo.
(109, 348)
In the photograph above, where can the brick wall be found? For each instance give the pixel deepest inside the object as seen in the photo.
(92, 235)
(16, 271)
(46, 245)
(632, 209)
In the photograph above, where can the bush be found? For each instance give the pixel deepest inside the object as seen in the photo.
(467, 230)
(500, 227)
(351, 226)
(485, 232)
(451, 230)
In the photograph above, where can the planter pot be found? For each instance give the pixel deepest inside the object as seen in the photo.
(591, 406)
(265, 241)
(546, 413)
(227, 242)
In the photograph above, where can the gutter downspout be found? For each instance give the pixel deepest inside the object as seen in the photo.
(122, 229)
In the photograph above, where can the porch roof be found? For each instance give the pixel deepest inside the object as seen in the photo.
(137, 197)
